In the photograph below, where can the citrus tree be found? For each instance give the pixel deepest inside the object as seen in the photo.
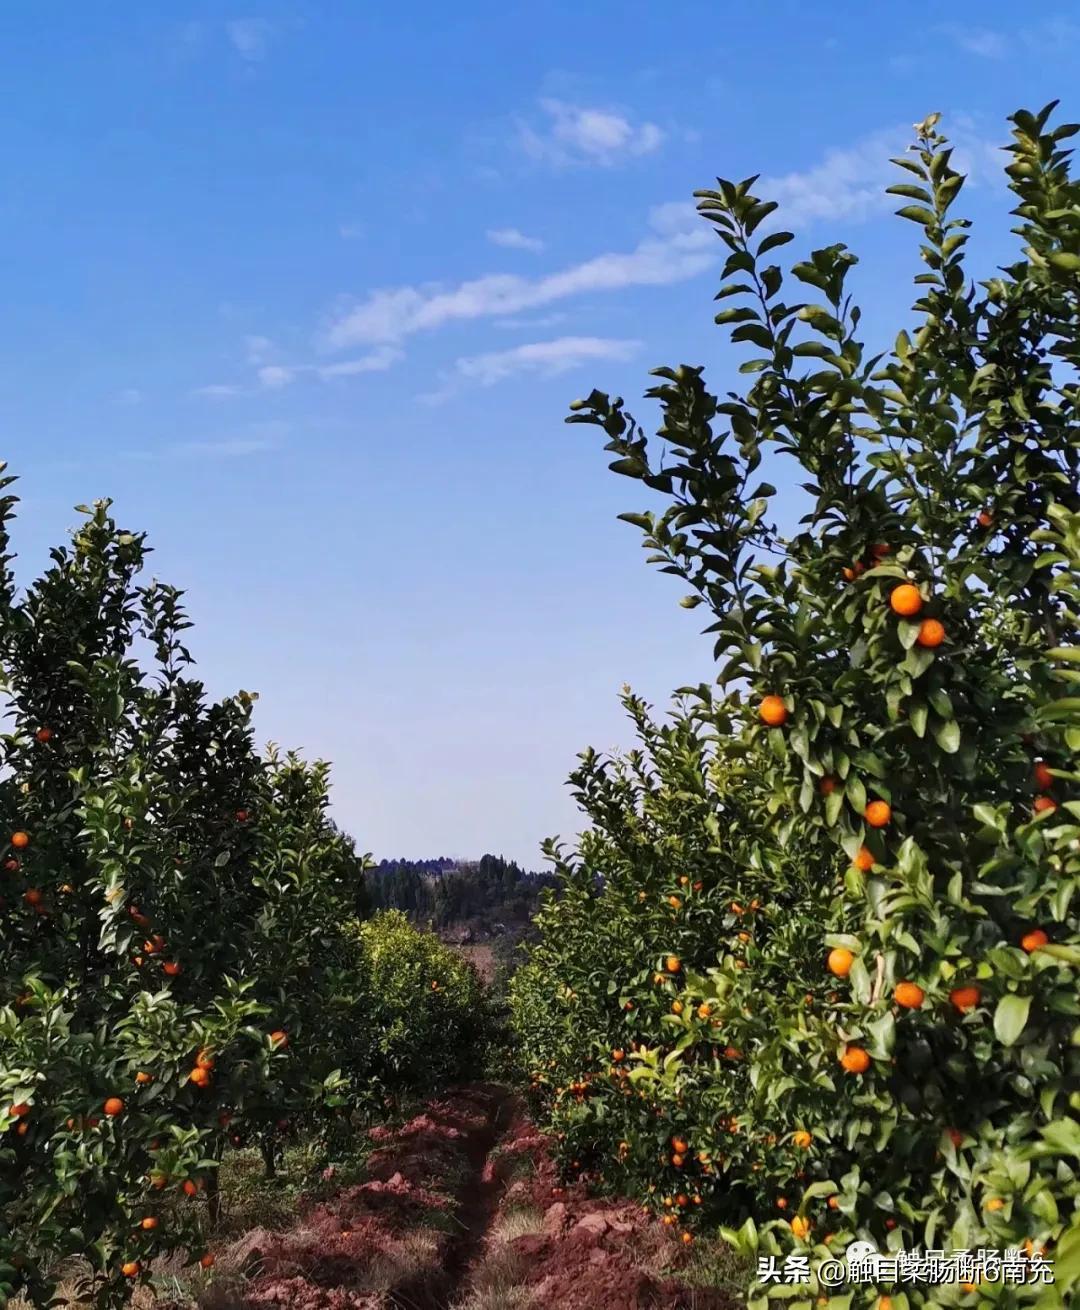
(171, 912)
(885, 939)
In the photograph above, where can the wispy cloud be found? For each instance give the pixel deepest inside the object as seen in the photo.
(129, 396)
(539, 321)
(250, 37)
(512, 239)
(275, 377)
(229, 448)
(350, 231)
(392, 314)
(573, 134)
(981, 41)
(846, 185)
(545, 358)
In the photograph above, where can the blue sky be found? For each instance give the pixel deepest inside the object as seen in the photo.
(307, 290)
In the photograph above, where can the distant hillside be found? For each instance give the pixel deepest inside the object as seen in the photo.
(484, 898)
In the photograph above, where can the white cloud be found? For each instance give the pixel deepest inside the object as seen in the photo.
(389, 315)
(257, 349)
(848, 185)
(546, 358)
(576, 135)
(274, 376)
(231, 448)
(375, 362)
(350, 231)
(512, 239)
(250, 37)
(129, 396)
(540, 321)
(218, 391)
(981, 41)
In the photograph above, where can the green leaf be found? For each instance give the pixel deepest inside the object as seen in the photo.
(1065, 260)
(918, 214)
(1010, 1017)
(947, 736)
(773, 240)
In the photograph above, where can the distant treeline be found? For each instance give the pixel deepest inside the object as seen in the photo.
(444, 891)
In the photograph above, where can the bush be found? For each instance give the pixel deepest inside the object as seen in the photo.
(422, 1005)
(816, 962)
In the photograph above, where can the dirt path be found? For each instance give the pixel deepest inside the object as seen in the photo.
(462, 1209)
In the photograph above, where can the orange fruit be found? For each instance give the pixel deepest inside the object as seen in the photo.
(677, 1007)
(680, 1144)
(908, 995)
(773, 711)
(931, 633)
(781, 1202)
(855, 1060)
(864, 859)
(678, 1160)
(17, 1111)
(674, 902)
(1044, 803)
(995, 1203)
(984, 518)
(113, 1106)
(279, 1038)
(827, 785)
(733, 1052)
(906, 600)
(673, 964)
(704, 1011)
(834, 1203)
(800, 1226)
(149, 1223)
(880, 550)
(206, 1260)
(1034, 940)
(840, 961)
(878, 813)
(171, 968)
(200, 1077)
(242, 816)
(204, 1060)
(33, 896)
(618, 1056)
(802, 1138)
(44, 734)
(1044, 779)
(131, 1269)
(687, 1239)
(142, 1078)
(189, 1187)
(965, 998)
(20, 840)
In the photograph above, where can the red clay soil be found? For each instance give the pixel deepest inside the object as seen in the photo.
(359, 1250)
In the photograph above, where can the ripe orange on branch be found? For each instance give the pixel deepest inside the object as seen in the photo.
(773, 711)
(931, 634)
(855, 1060)
(906, 600)
(20, 840)
(908, 995)
(965, 998)
(1034, 940)
(840, 961)
(878, 813)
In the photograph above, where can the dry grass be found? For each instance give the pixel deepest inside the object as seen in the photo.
(518, 1221)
